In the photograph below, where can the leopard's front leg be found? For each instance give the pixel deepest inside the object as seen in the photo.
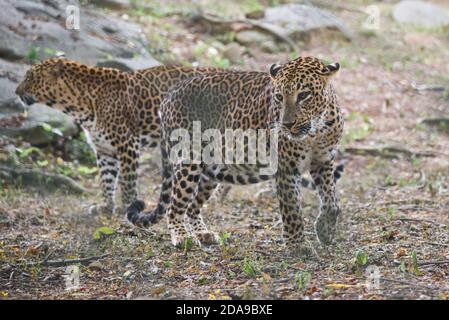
(288, 191)
(129, 162)
(195, 220)
(325, 224)
(185, 181)
(109, 171)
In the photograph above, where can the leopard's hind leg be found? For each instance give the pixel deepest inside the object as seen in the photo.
(109, 171)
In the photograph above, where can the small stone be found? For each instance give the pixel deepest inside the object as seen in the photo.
(255, 14)
(234, 52)
(95, 266)
(420, 13)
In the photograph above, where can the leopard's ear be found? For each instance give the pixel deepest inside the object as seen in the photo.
(331, 69)
(274, 69)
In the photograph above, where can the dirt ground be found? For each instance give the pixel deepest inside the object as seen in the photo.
(394, 193)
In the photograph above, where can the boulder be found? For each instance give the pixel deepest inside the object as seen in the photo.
(248, 37)
(234, 52)
(40, 26)
(113, 4)
(123, 64)
(34, 126)
(420, 13)
(300, 19)
(295, 22)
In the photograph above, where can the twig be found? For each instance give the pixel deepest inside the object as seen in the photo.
(427, 263)
(412, 207)
(427, 87)
(419, 220)
(387, 152)
(67, 262)
(442, 122)
(436, 243)
(435, 262)
(408, 283)
(277, 32)
(405, 202)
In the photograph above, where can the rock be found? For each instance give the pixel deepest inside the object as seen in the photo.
(282, 27)
(10, 76)
(298, 19)
(11, 107)
(234, 52)
(261, 39)
(129, 64)
(113, 4)
(256, 14)
(12, 46)
(248, 37)
(33, 128)
(40, 25)
(95, 266)
(420, 13)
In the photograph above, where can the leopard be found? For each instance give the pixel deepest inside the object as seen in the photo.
(118, 111)
(295, 104)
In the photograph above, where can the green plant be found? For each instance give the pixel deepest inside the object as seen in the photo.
(415, 264)
(302, 279)
(361, 258)
(188, 244)
(224, 238)
(103, 231)
(33, 54)
(250, 268)
(391, 212)
(83, 170)
(27, 152)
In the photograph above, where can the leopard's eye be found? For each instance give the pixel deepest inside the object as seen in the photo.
(303, 95)
(279, 97)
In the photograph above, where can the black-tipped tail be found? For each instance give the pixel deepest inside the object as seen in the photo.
(138, 218)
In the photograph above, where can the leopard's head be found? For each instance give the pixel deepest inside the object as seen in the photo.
(299, 89)
(42, 82)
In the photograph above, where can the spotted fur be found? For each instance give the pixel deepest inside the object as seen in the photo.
(297, 100)
(118, 110)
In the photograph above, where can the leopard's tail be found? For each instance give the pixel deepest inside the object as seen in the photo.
(137, 217)
(135, 213)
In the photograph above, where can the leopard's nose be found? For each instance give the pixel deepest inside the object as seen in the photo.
(288, 125)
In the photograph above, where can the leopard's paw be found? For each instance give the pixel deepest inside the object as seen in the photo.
(207, 237)
(325, 226)
(98, 209)
(181, 240)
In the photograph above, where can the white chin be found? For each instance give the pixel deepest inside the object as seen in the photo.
(21, 101)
